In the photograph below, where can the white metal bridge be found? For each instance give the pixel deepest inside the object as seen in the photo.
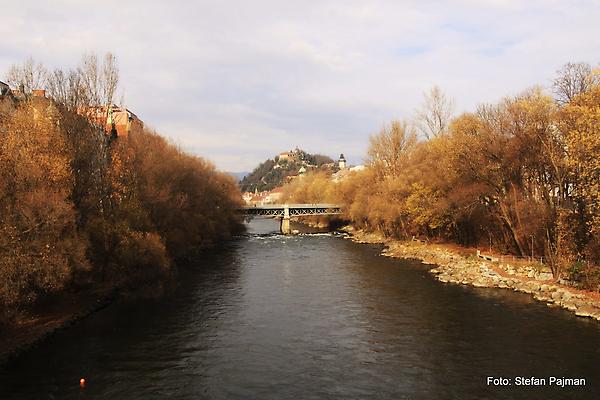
(285, 211)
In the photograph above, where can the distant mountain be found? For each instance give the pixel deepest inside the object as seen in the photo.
(284, 167)
(239, 175)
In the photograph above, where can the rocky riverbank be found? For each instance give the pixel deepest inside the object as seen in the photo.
(460, 267)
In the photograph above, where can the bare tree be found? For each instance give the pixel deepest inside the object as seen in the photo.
(435, 113)
(389, 148)
(572, 79)
(76, 95)
(28, 76)
(90, 79)
(57, 86)
(91, 84)
(66, 88)
(99, 81)
(109, 79)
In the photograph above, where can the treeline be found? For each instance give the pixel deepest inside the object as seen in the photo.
(522, 176)
(81, 209)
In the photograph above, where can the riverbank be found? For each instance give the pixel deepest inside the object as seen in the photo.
(461, 266)
(27, 331)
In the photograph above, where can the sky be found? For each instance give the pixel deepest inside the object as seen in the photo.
(237, 82)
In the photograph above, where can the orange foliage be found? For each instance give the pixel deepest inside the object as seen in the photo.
(522, 175)
(78, 207)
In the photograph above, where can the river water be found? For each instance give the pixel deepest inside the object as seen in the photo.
(312, 317)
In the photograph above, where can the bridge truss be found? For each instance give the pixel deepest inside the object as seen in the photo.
(291, 210)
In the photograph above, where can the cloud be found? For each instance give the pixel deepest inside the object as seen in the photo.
(240, 81)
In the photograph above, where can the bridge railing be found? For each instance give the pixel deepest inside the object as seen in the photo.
(292, 210)
(290, 206)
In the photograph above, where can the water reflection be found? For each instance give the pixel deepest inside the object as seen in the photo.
(279, 317)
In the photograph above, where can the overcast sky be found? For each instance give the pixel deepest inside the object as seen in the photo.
(240, 81)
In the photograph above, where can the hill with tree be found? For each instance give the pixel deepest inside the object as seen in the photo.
(284, 167)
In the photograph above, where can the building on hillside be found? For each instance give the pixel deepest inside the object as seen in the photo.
(116, 120)
(285, 156)
(292, 155)
(342, 162)
(274, 195)
(123, 121)
(4, 89)
(345, 173)
(19, 94)
(260, 198)
(247, 197)
(38, 93)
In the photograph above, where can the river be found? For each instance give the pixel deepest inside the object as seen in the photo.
(312, 317)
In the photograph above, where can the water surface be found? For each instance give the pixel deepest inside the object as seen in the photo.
(312, 317)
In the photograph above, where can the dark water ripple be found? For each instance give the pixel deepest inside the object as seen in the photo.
(312, 317)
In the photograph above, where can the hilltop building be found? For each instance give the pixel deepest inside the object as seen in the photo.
(123, 120)
(292, 155)
(19, 94)
(115, 120)
(4, 89)
(38, 93)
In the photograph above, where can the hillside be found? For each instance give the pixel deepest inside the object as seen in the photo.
(282, 168)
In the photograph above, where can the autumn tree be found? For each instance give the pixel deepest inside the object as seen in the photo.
(388, 149)
(521, 175)
(79, 208)
(40, 245)
(580, 124)
(313, 187)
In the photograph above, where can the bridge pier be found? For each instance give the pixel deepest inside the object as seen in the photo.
(285, 221)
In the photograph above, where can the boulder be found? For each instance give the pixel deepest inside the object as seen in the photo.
(534, 286)
(556, 296)
(541, 296)
(569, 305)
(544, 276)
(588, 311)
